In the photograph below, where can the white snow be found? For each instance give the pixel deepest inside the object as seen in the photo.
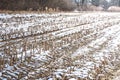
(102, 30)
(72, 79)
(0, 74)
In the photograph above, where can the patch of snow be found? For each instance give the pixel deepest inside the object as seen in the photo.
(0, 74)
(72, 79)
(50, 79)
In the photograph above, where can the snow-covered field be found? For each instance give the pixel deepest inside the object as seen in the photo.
(63, 46)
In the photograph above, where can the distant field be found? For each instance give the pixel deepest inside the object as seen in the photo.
(63, 46)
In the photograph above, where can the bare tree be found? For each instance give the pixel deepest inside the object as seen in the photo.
(77, 3)
(80, 4)
(119, 3)
(95, 2)
(105, 4)
(115, 2)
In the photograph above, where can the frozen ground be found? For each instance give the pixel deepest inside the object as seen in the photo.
(63, 46)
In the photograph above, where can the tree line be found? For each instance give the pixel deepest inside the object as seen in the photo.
(36, 4)
(64, 5)
(103, 3)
